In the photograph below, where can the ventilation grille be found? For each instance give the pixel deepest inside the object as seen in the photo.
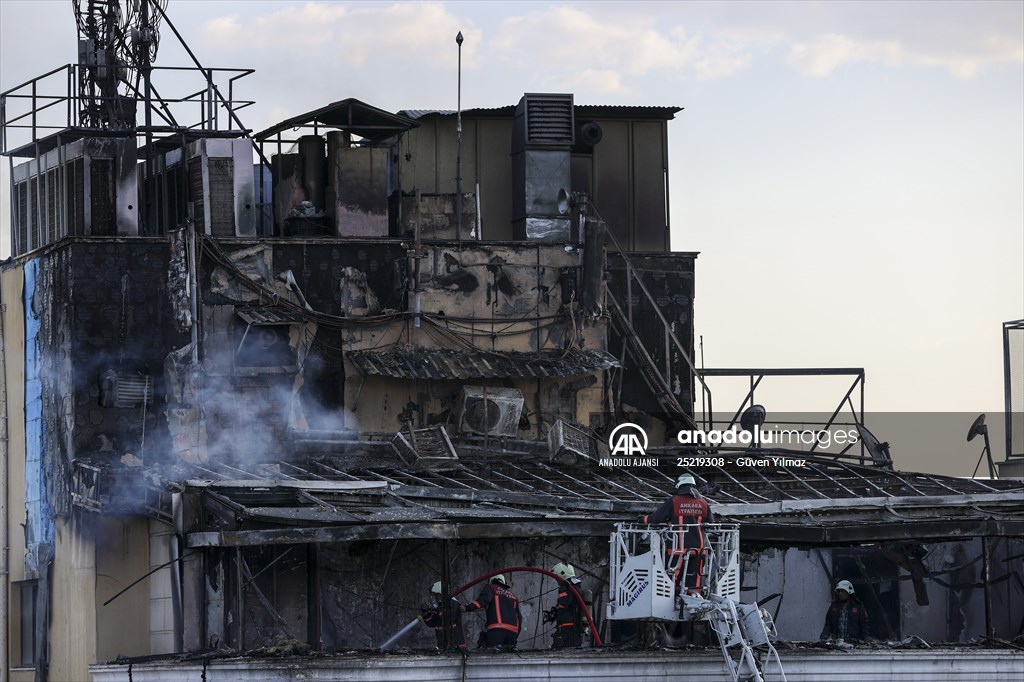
(125, 390)
(104, 220)
(33, 197)
(195, 182)
(549, 120)
(51, 206)
(76, 197)
(21, 234)
(222, 197)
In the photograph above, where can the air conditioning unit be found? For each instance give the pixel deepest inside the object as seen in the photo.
(426, 449)
(119, 389)
(490, 411)
(570, 444)
(221, 185)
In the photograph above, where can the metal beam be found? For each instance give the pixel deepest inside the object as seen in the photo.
(399, 531)
(944, 502)
(535, 499)
(782, 372)
(937, 530)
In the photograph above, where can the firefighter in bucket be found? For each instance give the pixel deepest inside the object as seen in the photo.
(689, 509)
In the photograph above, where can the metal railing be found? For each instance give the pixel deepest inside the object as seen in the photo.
(29, 111)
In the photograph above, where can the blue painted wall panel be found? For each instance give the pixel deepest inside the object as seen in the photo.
(39, 529)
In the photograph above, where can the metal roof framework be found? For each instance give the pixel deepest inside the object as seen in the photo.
(338, 497)
(351, 115)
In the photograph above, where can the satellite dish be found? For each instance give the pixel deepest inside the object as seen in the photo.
(879, 451)
(753, 416)
(977, 428)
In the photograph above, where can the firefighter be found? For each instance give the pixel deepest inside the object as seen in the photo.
(432, 617)
(686, 508)
(504, 620)
(567, 614)
(846, 619)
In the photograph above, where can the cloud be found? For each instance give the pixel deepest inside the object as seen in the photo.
(606, 53)
(412, 32)
(824, 55)
(964, 39)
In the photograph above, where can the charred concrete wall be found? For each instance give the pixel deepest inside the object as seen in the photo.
(493, 298)
(116, 297)
(485, 296)
(369, 590)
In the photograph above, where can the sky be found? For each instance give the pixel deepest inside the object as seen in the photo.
(852, 173)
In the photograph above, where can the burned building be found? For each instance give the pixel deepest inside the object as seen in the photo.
(254, 412)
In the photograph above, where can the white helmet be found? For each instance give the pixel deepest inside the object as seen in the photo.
(500, 579)
(685, 479)
(564, 571)
(845, 586)
(436, 589)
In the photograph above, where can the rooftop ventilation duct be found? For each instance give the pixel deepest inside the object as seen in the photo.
(543, 133)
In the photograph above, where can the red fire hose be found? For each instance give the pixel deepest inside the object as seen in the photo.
(531, 569)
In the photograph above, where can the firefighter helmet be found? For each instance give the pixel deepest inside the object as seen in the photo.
(500, 579)
(564, 571)
(685, 479)
(436, 589)
(845, 586)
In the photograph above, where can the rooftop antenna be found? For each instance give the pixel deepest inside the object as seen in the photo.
(979, 427)
(878, 450)
(458, 148)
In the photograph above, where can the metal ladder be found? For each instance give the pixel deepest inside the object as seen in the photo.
(740, 628)
(622, 320)
(648, 368)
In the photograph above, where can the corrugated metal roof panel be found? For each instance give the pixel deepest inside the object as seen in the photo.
(443, 363)
(607, 110)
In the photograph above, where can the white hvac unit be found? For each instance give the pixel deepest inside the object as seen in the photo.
(221, 186)
(490, 411)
